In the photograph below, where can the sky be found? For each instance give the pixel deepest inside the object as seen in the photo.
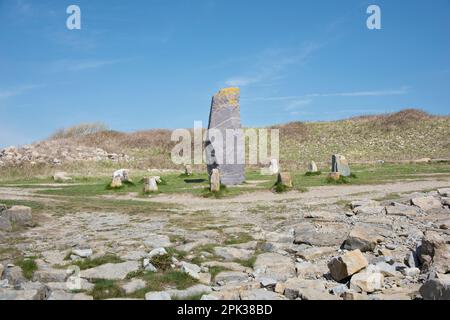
(143, 64)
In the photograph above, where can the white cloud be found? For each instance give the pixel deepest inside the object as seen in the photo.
(12, 92)
(81, 65)
(270, 64)
(379, 93)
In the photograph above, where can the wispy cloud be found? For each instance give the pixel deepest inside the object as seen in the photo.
(81, 65)
(12, 92)
(270, 64)
(301, 99)
(378, 93)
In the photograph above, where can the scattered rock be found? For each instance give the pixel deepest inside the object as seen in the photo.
(50, 275)
(321, 235)
(157, 241)
(161, 295)
(306, 290)
(363, 203)
(62, 295)
(398, 209)
(231, 254)
(111, 271)
(426, 203)
(191, 269)
(133, 286)
(82, 253)
(346, 265)
(435, 289)
(434, 253)
(313, 253)
(275, 266)
(367, 281)
(189, 292)
(227, 277)
(444, 192)
(362, 238)
(261, 294)
(369, 210)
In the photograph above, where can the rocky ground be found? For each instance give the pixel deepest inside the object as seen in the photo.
(332, 242)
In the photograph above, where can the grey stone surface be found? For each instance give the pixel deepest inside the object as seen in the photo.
(225, 114)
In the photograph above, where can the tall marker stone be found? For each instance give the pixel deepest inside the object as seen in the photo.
(340, 164)
(225, 119)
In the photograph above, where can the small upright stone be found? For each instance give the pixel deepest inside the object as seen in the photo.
(61, 176)
(123, 175)
(150, 185)
(188, 170)
(116, 183)
(335, 176)
(214, 181)
(274, 168)
(312, 167)
(340, 164)
(284, 179)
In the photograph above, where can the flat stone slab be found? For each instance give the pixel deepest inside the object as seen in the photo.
(230, 254)
(321, 235)
(111, 271)
(274, 265)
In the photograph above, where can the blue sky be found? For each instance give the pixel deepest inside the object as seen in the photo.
(156, 63)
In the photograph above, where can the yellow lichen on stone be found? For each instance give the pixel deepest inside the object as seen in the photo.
(228, 91)
(231, 94)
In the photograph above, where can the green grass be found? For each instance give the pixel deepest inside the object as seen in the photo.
(28, 266)
(311, 174)
(88, 263)
(105, 289)
(214, 271)
(162, 262)
(159, 281)
(238, 238)
(280, 188)
(249, 263)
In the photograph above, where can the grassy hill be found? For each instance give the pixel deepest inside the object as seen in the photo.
(406, 135)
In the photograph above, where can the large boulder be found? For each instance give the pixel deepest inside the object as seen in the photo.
(225, 114)
(214, 180)
(19, 215)
(434, 253)
(436, 289)
(346, 265)
(5, 224)
(285, 179)
(367, 281)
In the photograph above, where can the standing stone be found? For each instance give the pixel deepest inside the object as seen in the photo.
(188, 170)
(284, 179)
(116, 183)
(123, 174)
(225, 114)
(335, 176)
(274, 168)
(214, 181)
(340, 164)
(312, 167)
(150, 185)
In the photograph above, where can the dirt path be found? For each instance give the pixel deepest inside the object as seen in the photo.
(318, 194)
